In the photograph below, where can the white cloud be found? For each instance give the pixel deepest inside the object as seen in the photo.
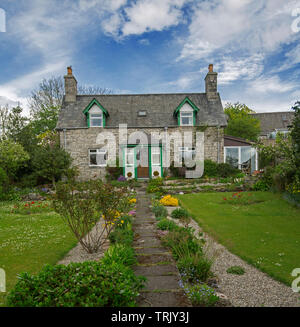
(250, 26)
(271, 84)
(152, 15)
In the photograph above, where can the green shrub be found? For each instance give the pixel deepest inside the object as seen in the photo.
(179, 213)
(194, 268)
(166, 224)
(92, 284)
(226, 170)
(121, 235)
(182, 242)
(237, 270)
(201, 294)
(261, 185)
(3, 180)
(210, 168)
(160, 211)
(119, 253)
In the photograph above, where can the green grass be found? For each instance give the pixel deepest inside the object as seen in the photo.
(28, 241)
(265, 234)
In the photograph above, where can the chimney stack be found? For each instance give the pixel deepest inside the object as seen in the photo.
(211, 84)
(70, 86)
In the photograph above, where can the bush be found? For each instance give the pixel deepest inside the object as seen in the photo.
(237, 270)
(194, 268)
(3, 180)
(169, 200)
(122, 236)
(82, 205)
(166, 224)
(119, 253)
(92, 284)
(201, 294)
(210, 168)
(179, 213)
(160, 211)
(155, 186)
(182, 242)
(226, 170)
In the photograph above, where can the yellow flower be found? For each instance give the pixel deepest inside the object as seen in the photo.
(132, 201)
(168, 200)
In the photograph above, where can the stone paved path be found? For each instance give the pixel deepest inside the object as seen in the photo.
(155, 262)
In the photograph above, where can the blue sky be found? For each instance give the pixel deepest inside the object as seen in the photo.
(155, 46)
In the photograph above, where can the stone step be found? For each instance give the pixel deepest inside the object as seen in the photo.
(163, 299)
(155, 258)
(151, 250)
(155, 270)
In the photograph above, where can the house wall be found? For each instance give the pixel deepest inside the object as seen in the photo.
(78, 141)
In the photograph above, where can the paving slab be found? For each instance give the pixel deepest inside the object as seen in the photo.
(155, 262)
(156, 270)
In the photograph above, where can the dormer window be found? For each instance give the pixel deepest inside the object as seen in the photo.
(95, 114)
(186, 113)
(186, 118)
(96, 120)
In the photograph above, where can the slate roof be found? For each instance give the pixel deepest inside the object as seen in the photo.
(123, 109)
(271, 121)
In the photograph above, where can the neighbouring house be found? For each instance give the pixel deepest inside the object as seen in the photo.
(273, 122)
(83, 117)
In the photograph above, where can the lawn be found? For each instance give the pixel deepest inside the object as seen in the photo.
(265, 233)
(30, 238)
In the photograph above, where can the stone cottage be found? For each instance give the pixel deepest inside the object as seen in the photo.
(84, 119)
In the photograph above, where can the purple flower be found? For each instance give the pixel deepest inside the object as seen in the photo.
(121, 179)
(132, 213)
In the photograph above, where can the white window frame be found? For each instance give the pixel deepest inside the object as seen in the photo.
(131, 152)
(99, 116)
(186, 149)
(155, 150)
(187, 114)
(98, 152)
(240, 155)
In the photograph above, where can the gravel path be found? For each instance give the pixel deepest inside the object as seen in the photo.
(78, 254)
(254, 288)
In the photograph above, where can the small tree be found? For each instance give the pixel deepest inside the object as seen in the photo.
(91, 210)
(295, 133)
(12, 157)
(49, 160)
(241, 123)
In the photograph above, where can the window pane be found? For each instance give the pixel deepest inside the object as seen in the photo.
(186, 121)
(156, 159)
(96, 122)
(232, 157)
(93, 160)
(101, 159)
(186, 114)
(245, 157)
(96, 115)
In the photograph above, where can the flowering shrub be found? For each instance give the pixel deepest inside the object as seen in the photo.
(241, 198)
(168, 200)
(121, 179)
(200, 294)
(30, 207)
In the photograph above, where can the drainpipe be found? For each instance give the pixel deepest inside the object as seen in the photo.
(218, 144)
(65, 138)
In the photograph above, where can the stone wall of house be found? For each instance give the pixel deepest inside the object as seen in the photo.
(78, 142)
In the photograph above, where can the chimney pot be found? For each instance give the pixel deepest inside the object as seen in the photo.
(211, 68)
(70, 70)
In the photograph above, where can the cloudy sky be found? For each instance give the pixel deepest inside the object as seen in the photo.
(155, 46)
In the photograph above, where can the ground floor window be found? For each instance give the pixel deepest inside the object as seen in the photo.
(241, 157)
(97, 157)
